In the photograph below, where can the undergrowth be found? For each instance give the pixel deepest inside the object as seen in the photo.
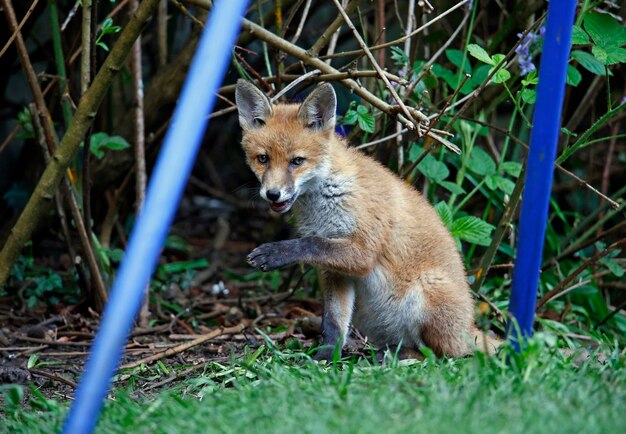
(540, 390)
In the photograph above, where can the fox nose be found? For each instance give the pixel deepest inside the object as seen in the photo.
(273, 195)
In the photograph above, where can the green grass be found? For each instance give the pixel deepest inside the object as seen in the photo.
(538, 391)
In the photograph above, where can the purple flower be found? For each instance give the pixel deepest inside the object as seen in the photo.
(524, 58)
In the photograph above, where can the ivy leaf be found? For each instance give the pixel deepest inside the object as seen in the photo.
(445, 213)
(573, 76)
(481, 163)
(479, 53)
(472, 229)
(579, 36)
(589, 62)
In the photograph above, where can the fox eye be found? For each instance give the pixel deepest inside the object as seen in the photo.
(297, 161)
(262, 158)
(259, 122)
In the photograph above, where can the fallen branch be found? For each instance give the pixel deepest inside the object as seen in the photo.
(54, 377)
(184, 347)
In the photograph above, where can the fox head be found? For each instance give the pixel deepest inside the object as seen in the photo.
(286, 144)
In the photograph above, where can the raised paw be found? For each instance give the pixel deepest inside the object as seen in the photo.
(270, 256)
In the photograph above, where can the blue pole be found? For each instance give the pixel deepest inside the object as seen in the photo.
(166, 187)
(540, 166)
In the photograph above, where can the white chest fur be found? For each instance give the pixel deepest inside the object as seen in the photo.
(321, 211)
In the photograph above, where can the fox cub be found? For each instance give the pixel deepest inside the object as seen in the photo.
(389, 265)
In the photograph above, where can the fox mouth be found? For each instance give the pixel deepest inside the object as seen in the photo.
(282, 207)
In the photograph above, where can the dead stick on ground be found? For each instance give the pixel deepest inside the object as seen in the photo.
(52, 376)
(184, 347)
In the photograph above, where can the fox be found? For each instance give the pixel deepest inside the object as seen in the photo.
(388, 265)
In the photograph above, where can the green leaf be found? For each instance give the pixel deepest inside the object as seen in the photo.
(361, 109)
(479, 75)
(13, 394)
(472, 229)
(502, 76)
(589, 62)
(102, 141)
(350, 118)
(512, 168)
(116, 255)
(107, 23)
(613, 266)
(529, 96)
(445, 74)
(505, 185)
(609, 55)
(531, 79)
(32, 361)
(445, 213)
(176, 242)
(398, 56)
(579, 36)
(177, 267)
(452, 187)
(604, 30)
(456, 58)
(433, 169)
(481, 163)
(479, 53)
(568, 132)
(366, 122)
(573, 76)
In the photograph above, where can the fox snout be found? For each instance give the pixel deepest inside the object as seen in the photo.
(280, 200)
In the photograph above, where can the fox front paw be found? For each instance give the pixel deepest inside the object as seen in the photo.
(271, 256)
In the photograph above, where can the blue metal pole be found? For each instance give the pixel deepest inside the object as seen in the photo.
(540, 166)
(165, 189)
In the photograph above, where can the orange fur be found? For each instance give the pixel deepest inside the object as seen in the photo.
(391, 266)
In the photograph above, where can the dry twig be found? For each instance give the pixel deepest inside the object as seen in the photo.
(183, 347)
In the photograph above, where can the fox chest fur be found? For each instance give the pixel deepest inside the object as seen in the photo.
(323, 210)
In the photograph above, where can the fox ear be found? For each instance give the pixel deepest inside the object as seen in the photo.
(254, 107)
(318, 109)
